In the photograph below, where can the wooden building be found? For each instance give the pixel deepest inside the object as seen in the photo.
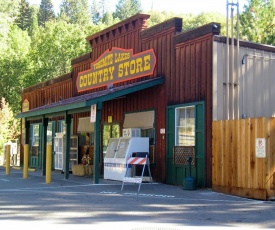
(165, 81)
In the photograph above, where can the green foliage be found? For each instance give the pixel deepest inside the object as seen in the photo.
(52, 49)
(45, 50)
(190, 21)
(10, 127)
(127, 8)
(75, 11)
(9, 9)
(13, 66)
(24, 19)
(257, 22)
(46, 12)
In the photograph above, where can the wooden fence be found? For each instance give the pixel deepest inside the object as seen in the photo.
(235, 168)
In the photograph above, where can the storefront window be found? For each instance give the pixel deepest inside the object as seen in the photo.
(185, 126)
(50, 133)
(62, 127)
(35, 139)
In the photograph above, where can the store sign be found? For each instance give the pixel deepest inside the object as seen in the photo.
(25, 106)
(93, 113)
(116, 65)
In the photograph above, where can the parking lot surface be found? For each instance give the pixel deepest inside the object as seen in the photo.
(77, 202)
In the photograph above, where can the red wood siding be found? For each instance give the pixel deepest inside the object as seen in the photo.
(193, 82)
(48, 94)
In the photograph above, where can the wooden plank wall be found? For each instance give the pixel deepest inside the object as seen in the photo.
(161, 39)
(235, 168)
(49, 94)
(193, 82)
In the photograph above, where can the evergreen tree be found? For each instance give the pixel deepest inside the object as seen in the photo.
(127, 8)
(24, 19)
(108, 19)
(75, 11)
(96, 17)
(34, 25)
(46, 12)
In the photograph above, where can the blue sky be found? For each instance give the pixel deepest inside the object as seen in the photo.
(178, 6)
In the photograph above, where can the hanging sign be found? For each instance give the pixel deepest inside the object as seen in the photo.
(260, 148)
(25, 106)
(116, 65)
(93, 113)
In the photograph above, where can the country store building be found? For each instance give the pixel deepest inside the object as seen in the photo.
(189, 92)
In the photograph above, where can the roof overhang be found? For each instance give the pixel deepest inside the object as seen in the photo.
(82, 103)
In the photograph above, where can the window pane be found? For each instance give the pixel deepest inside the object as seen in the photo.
(49, 133)
(185, 126)
(115, 131)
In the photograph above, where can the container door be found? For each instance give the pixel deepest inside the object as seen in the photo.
(185, 138)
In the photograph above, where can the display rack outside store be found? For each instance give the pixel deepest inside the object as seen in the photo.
(60, 151)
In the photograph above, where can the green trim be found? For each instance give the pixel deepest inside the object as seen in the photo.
(76, 107)
(176, 173)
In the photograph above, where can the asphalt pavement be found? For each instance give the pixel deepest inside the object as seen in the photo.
(77, 202)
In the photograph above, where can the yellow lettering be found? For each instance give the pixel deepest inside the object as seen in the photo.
(126, 67)
(105, 75)
(121, 57)
(94, 78)
(111, 70)
(147, 65)
(90, 78)
(132, 67)
(99, 74)
(80, 81)
(139, 65)
(108, 60)
(120, 70)
(84, 80)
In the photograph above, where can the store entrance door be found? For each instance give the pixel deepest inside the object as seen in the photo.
(35, 146)
(185, 138)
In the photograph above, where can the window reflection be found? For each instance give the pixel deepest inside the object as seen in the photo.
(185, 126)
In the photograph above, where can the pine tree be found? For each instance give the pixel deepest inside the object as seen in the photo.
(96, 17)
(46, 12)
(127, 8)
(75, 11)
(24, 19)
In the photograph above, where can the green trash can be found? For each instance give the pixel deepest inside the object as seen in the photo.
(189, 183)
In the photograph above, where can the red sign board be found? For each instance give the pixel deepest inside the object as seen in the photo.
(116, 65)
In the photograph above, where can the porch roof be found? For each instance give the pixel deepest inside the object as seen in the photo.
(82, 103)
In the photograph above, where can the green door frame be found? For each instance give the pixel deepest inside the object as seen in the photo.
(35, 161)
(176, 173)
